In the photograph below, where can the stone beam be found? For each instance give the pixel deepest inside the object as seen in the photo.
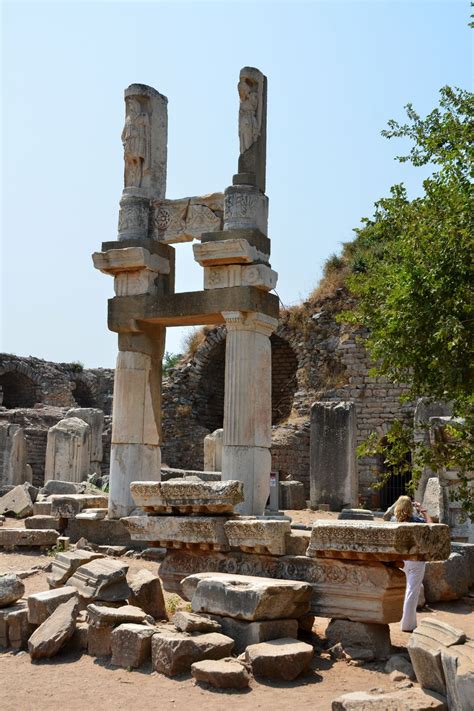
(192, 308)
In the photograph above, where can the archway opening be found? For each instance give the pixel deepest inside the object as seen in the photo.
(395, 484)
(83, 394)
(18, 390)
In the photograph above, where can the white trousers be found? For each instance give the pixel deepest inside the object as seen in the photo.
(414, 571)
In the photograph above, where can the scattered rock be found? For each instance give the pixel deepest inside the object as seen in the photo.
(131, 645)
(103, 616)
(446, 579)
(174, 652)
(55, 486)
(279, 658)
(147, 593)
(404, 700)
(365, 636)
(11, 589)
(17, 501)
(12, 537)
(43, 522)
(99, 641)
(65, 565)
(425, 646)
(458, 667)
(401, 664)
(101, 579)
(48, 638)
(41, 605)
(190, 622)
(222, 674)
(245, 633)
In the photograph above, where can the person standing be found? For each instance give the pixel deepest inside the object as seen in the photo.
(407, 511)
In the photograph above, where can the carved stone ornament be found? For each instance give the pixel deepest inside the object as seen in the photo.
(133, 217)
(250, 89)
(183, 220)
(136, 142)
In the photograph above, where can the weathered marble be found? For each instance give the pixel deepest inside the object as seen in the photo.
(64, 565)
(375, 540)
(11, 537)
(101, 579)
(185, 496)
(213, 451)
(69, 505)
(252, 90)
(258, 536)
(259, 275)
(68, 450)
(205, 532)
(14, 467)
(183, 220)
(229, 251)
(425, 647)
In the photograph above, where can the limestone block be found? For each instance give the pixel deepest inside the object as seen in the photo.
(258, 536)
(147, 593)
(11, 537)
(131, 645)
(99, 641)
(95, 419)
(190, 622)
(128, 462)
(259, 275)
(213, 451)
(185, 496)
(447, 579)
(11, 589)
(229, 251)
(17, 501)
(69, 505)
(41, 605)
(18, 627)
(297, 542)
(65, 564)
(246, 633)
(68, 450)
(433, 498)
(333, 464)
(402, 700)
(245, 597)
(425, 646)
(355, 515)
(78, 641)
(466, 550)
(352, 590)
(14, 467)
(186, 219)
(458, 668)
(374, 638)
(50, 522)
(173, 652)
(379, 541)
(206, 532)
(221, 673)
(400, 663)
(283, 658)
(130, 259)
(92, 515)
(107, 532)
(103, 616)
(292, 496)
(56, 486)
(245, 207)
(49, 637)
(101, 579)
(42, 508)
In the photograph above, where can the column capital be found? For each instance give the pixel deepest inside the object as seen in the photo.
(250, 321)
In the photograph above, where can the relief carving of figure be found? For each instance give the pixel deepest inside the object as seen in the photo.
(249, 112)
(136, 143)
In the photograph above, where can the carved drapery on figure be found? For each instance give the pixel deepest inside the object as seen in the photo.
(251, 107)
(136, 143)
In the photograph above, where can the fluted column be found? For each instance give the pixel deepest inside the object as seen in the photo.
(248, 406)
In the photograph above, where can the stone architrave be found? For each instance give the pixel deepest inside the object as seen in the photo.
(333, 463)
(247, 406)
(183, 220)
(183, 496)
(14, 467)
(95, 419)
(258, 536)
(179, 531)
(68, 450)
(213, 451)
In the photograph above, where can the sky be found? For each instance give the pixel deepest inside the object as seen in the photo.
(337, 72)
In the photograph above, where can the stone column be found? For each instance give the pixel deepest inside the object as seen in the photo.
(333, 463)
(136, 418)
(248, 406)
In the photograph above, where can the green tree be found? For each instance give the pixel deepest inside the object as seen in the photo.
(411, 269)
(170, 360)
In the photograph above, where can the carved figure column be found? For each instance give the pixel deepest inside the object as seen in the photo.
(247, 406)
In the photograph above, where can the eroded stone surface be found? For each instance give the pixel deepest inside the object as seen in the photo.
(48, 638)
(184, 496)
(413, 699)
(147, 593)
(425, 646)
(380, 541)
(131, 645)
(458, 667)
(246, 633)
(65, 564)
(258, 536)
(11, 589)
(101, 580)
(69, 505)
(41, 605)
(174, 652)
(17, 501)
(103, 616)
(222, 673)
(11, 537)
(447, 579)
(205, 532)
(190, 622)
(247, 598)
(279, 658)
(373, 638)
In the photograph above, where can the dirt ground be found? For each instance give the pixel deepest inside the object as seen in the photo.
(74, 682)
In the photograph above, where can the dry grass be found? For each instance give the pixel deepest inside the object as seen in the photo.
(193, 340)
(183, 410)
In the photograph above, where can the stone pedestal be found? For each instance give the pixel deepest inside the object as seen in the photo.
(247, 406)
(135, 453)
(333, 464)
(68, 450)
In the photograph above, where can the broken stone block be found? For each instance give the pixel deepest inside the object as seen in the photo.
(213, 451)
(103, 616)
(279, 658)
(19, 629)
(246, 633)
(375, 540)
(49, 637)
(204, 532)
(92, 514)
(65, 564)
(11, 589)
(425, 646)
(131, 645)
(58, 487)
(174, 652)
(106, 531)
(17, 501)
(42, 508)
(185, 496)
(41, 605)
(11, 537)
(14, 467)
(221, 673)
(447, 579)
(297, 542)
(95, 419)
(68, 450)
(355, 515)
(292, 496)
(403, 700)
(147, 593)
(190, 622)
(43, 522)
(101, 579)
(99, 641)
(258, 536)
(399, 663)
(375, 638)
(246, 597)
(69, 505)
(458, 667)
(79, 640)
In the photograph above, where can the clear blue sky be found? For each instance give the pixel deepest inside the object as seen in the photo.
(337, 71)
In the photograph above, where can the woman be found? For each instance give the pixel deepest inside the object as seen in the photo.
(413, 569)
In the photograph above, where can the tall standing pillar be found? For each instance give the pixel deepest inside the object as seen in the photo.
(248, 407)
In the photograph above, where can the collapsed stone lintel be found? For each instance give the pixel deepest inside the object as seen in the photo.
(191, 308)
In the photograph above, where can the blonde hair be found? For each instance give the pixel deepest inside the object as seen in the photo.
(403, 509)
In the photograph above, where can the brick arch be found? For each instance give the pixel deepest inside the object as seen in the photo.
(20, 386)
(84, 391)
(209, 367)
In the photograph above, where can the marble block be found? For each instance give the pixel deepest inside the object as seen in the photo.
(204, 532)
(184, 496)
(259, 275)
(258, 536)
(101, 579)
(229, 251)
